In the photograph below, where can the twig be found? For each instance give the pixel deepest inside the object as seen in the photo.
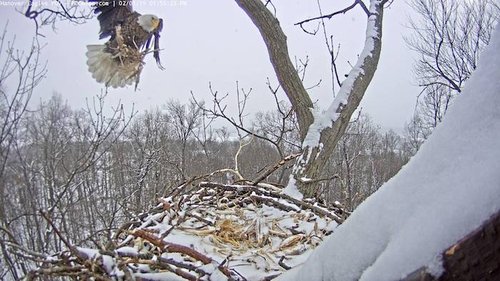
(282, 264)
(343, 11)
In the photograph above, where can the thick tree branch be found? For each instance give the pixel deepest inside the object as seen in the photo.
(288, 77)
(328, 128)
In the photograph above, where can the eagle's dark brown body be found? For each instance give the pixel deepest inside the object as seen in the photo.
(132, 34)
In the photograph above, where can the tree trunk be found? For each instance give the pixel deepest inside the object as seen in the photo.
(275, 40)
(321, 133)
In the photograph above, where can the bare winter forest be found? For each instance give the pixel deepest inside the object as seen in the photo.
(75, 176)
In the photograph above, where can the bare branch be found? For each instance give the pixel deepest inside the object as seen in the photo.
(331, 15)
(64, 11)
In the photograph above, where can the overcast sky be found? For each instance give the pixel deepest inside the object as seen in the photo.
(214, 41)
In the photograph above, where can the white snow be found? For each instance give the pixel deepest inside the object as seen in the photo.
(109, 264)
(292, 190)
(127, 251)
(446, 191)
(90, 253)
(160, 276)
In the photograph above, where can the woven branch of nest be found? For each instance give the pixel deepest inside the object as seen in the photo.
(234, 232)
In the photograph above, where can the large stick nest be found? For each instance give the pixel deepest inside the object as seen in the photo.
(213, 232)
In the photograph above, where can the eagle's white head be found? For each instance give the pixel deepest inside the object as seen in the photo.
(148, 22)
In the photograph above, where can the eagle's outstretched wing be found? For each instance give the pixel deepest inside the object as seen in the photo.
(111, 14)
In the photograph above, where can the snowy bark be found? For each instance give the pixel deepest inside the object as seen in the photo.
(320, 133)
(329, 126)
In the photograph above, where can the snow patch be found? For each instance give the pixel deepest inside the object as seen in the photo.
(292, 190)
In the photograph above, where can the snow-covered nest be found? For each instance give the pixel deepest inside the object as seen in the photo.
(217, 232)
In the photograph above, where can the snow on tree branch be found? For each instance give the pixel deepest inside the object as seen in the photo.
(329, 126)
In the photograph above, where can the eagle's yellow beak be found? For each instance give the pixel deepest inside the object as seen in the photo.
(155, 22)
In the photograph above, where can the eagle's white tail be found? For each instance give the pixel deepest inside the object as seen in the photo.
(111, 71)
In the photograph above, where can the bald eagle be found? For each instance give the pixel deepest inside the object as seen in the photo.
(119, 62)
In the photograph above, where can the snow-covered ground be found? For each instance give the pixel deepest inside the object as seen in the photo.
(446, 191)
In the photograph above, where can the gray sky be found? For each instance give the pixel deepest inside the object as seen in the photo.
(214, 41)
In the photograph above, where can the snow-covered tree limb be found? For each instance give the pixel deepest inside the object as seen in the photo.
(330, 125)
